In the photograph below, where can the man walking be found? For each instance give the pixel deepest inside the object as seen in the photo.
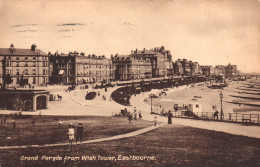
(79, 133)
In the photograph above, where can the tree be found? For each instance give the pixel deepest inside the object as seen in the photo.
(17, 103)
(7, 79)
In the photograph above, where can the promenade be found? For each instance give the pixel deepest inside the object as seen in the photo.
(231, 128)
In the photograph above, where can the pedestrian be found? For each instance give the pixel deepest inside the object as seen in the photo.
(33, 122)
(1, 118)
(40, 114)
(14, 124)
(135, 115)
(71, 133)
(134, 109)
(79, 133)
(216, 114)
(130, 117)
(170, 117)
(4, 119)
(140, 115)
(155, 121)
(60, 123)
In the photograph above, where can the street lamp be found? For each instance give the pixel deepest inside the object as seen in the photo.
(221, 111)
(151, 96)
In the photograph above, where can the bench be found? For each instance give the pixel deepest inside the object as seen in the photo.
(205, 117)
(246, 120)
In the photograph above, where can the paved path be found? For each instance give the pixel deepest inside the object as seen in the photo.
(131, 134)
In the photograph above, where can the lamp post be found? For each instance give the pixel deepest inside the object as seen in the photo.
(221, 111)
(151, 96)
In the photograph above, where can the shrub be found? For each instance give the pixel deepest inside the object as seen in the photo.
(91, 95)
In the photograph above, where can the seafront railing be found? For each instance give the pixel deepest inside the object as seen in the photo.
(226, 117)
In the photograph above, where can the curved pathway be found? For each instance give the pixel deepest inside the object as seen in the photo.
(131, 134)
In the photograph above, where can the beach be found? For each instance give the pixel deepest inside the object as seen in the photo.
(205, 96)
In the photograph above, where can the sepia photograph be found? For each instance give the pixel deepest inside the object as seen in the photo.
(129, 83)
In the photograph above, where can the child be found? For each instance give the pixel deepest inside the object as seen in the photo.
(71, 133)
(155, 121)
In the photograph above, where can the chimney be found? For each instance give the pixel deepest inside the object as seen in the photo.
(12, 48)
(33, 47)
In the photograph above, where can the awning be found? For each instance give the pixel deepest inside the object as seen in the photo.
(154, 91)
(61, 72)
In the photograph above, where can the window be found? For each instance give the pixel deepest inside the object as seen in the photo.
(26, 65)
(26, 71)
(34, 58)
(34, 71)
(10, 58)
(26, 58)
(17, 80)
(34, 80)
(17, 58)
(34, 64)
(17, 64)
(17, 71)
(43, 72)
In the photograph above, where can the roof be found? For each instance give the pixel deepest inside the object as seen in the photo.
(16, 51)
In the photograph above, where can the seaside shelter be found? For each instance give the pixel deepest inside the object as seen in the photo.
(24, 100)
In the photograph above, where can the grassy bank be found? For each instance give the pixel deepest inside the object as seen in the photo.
(168, 145)
(47, 130)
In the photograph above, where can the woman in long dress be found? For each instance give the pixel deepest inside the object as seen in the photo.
(170, 117)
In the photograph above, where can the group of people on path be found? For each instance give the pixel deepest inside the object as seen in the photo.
(169, 114)
(71, 133)
(133, 115)
(3, 120)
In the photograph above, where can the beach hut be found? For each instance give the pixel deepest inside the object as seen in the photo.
(194, 107)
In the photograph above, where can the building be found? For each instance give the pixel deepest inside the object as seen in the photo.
(219, 70)
(160, 60)
(231, 70)
(195, 69)
(24, 66)
(24, 99)
(207, 70)
(186, 67)
(75, 68)
(131, 67)
(178, 67)
(92, 68)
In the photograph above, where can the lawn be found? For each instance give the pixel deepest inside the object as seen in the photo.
(47, 131)
(167, 146)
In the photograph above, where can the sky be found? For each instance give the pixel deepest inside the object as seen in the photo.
(210, 32)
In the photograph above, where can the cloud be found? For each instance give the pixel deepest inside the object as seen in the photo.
(71, 24)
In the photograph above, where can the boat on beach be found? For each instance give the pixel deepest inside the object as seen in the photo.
(217, 85)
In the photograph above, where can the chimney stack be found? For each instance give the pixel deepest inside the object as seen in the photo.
(12, 48)
(33, 47)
